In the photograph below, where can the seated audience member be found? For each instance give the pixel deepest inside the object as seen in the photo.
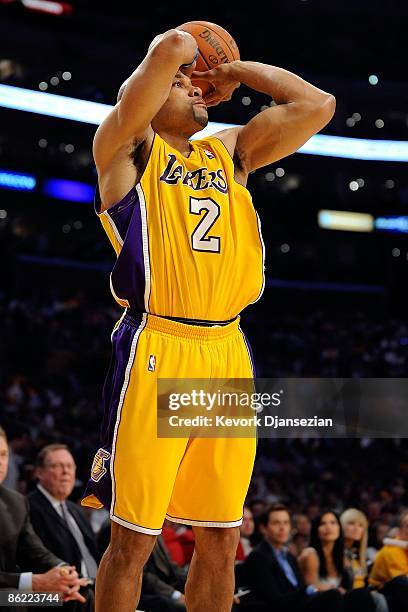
(173, 545)
(257, 507)
(355, 532)
(323, 566)
(179, 541)
(273, 573)
(392, 559)
(246, 531)
(25, 563)
(163, 580)
(376, 534)
(61, 524)
(300, 534)
(390, 569)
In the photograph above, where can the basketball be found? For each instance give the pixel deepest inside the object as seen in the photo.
(216, 46)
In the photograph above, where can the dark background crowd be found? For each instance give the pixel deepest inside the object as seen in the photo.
(334, 303)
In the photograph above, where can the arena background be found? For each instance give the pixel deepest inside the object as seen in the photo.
(335, 301)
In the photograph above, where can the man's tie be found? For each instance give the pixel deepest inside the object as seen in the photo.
(88, 559)
(287, 568)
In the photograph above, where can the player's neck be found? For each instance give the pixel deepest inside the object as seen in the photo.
(177, 141)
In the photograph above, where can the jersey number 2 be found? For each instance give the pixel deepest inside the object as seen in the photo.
(200, 240)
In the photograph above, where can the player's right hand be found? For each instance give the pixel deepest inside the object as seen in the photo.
(222, 80)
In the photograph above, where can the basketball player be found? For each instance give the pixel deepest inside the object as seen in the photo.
(189, 260)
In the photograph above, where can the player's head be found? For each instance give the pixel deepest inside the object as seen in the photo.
(184, 112)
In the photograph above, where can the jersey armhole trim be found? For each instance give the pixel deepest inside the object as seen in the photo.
(214, 137)
(127, 199)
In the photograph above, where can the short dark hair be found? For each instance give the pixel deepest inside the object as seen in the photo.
(3, 434)
(42, 455)
(264, 516)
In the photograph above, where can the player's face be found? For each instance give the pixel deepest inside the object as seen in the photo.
(4, 456)
(58, 474)
(184, 109)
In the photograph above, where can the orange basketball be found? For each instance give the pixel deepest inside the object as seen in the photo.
(216, 46)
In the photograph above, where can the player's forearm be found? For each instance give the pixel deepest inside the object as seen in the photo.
(283, 86)
(167, 52)
(144, 94)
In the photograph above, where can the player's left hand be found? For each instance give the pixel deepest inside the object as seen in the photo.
(221, 80)
(188, 71)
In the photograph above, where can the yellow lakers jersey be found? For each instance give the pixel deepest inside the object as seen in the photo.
(187, 237)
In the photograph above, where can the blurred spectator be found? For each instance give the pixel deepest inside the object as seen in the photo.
(300, 534)
(25, 563)
(164, 579)
(273, 573)
(379, 530)
(60, 523)
(355, 531)
(179, 541)
(246, 531)
(323, 565)
(392, 559)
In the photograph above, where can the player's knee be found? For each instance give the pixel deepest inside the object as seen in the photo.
(217, 544)
(129, 548)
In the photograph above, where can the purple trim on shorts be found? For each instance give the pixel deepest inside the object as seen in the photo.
(250, 354)
(122, 340)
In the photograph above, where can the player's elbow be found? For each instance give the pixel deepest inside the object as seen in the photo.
(170, 44)
(326, 109)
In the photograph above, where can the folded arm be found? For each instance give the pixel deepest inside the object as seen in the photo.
(145, 93)
(301, 110)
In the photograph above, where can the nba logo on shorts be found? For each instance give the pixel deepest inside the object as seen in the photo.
(152, 363)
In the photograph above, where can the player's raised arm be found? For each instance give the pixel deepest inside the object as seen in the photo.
(145, 93)
(301, 110)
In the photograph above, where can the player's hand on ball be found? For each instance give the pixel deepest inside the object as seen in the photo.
(222, 82)
(188, 71)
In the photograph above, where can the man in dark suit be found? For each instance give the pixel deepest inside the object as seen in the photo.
(273, 573)
(60, 523)
(25, 563)
(162, 577)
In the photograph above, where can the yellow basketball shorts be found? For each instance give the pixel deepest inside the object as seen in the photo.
(144, 479)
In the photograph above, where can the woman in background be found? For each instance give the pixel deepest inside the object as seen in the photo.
(323, 565)
(355, 532)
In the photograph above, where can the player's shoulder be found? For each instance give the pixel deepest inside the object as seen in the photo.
(228, 138)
